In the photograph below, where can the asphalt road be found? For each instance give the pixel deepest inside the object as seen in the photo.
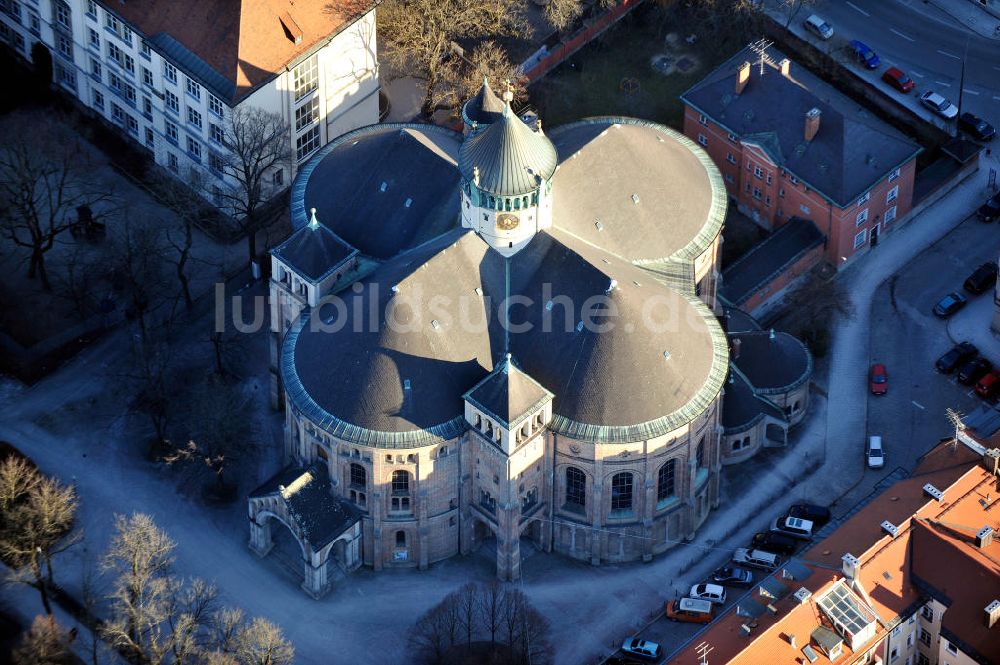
(922, 40)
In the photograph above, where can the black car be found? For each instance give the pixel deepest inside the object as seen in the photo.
(976, 127)
(959, 354)
(776, 543)
(818, 515)
(733, 576)
(974, 370)
(622, 660)
(982, 279)
(990, 210)
(950, 304)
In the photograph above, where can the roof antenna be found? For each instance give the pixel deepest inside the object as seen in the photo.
(760, 48)
(702, 650)
(956, 419)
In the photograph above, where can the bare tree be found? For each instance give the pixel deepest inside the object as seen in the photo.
(45, 175)
(261, 642)
(793, 7)
(461, 78)
(18, 478)
(45, 643)
(77, 279)
(468, 609)
(153, 393)
(35, 526)
(257, 145)
(138, 251)
(491, 609)
(418, 34)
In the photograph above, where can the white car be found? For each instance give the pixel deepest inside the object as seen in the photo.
(939, 105)
(819, 27)
(713, 593)
(796, 527)
(875, 454)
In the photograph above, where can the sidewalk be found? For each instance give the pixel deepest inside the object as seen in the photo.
(971, 14)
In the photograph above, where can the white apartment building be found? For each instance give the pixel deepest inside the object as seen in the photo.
(168, 72)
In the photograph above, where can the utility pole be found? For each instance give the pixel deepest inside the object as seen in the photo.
(961, 82)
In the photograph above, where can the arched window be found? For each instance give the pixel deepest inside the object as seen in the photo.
(400, 482)
(400, 539)
(576, 489)
(359, 478)
(621, 491)
(699, 454)
(666, 481)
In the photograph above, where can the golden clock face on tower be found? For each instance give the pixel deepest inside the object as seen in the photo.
(507, 221)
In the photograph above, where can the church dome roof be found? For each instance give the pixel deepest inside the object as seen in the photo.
(511, 158)
(485, 108)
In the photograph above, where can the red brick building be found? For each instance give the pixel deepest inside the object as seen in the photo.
(789, 145)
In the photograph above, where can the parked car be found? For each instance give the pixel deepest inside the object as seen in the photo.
(689, 610)
(818, 515)
(878, 379)
(958, 354)
(772, 541)
(756, 558)
(974, 370)
(989, 211)
(864, 54)
(950, 304)
(819, 27)
(875, 454)
(939, 105)
(988, 386)
(642, 649)
(796, 527)
(976, 127)
(982, 279)
(898, 79)
(713, 593)
(622, 660)
(733, 575)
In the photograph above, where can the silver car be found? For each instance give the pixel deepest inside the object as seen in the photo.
(819, 27)
(939, 105)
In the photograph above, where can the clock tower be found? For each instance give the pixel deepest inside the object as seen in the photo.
(507, 171)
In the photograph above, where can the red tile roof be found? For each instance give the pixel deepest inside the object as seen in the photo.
(247, 41)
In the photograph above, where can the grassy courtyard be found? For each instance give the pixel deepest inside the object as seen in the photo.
(639, 67)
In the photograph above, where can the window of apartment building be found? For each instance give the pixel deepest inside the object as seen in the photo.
(950, 648)
(215, 162)
(132, 125)
(307, 114)
(793, 179)
(95, 69)
(305, 78)
(98, 100)
(757, 193)
(194, 117)
(893, 175)
(147, 77)
(703, 140)
(278, 179)
(804, 209)
(92, 9)
(890, 214)
(193, 88)
(63, 14)
(170, 131)
(34, 23)
(922, 659)
(927, 612)
(703, 120)
(215, 105)
(781, 193)
(147, 107)
(864, 198)
(307, 143)
(65, 46)
(216, 133)
(144, 49)
(730, 158)
(194, 149)
(859, 239)
(150, 140)
(66, 76)
(94, 38)
(12, 8)
(114, 81)
(732, 137)
(621, 491)
(122, 59)
(666, 480)
(767, 201)
(173, 104)
(120, 29)
(729, 179)
(129, 93)
(893, 654)
(117, 114)
(172, 163)
(925, 637)
(769, 178)
(169, 72)
(758, 172)
(861, 218)
(909, 638)
(892, 195)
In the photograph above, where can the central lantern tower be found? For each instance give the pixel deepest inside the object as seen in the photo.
(507, 170)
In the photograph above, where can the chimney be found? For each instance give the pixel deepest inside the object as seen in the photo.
(984, 537)
(851, 566)
(736, 348)
(786, 67)
(992, 613)
(991, 460)
(791, 638)
(812, 123)
(742, 77)
(292, 29)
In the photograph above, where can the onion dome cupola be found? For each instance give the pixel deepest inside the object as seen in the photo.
(507, 171)
(483, 109)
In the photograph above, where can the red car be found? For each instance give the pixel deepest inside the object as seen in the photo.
(898, 79)
(989, 385)
(879, 379)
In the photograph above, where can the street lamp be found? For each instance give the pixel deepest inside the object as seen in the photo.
(961, 81)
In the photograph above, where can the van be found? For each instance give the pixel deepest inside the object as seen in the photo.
(689, 610)
(756, 558)
(796, 527)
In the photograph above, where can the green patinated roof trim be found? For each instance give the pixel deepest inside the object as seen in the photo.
(778, 414)
(695, 407)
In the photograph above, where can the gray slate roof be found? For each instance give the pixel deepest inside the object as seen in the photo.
(852, 150)
(511, 158)
(485, 107)
(773, 364)
(736, 320)
(508, 394)
(741, 408)
(313, 251)
(383, 189)
(768, 259)
(310, 501)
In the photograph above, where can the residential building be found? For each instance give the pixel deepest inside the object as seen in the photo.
(170, 73)
(912, 578)
(790, 145)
